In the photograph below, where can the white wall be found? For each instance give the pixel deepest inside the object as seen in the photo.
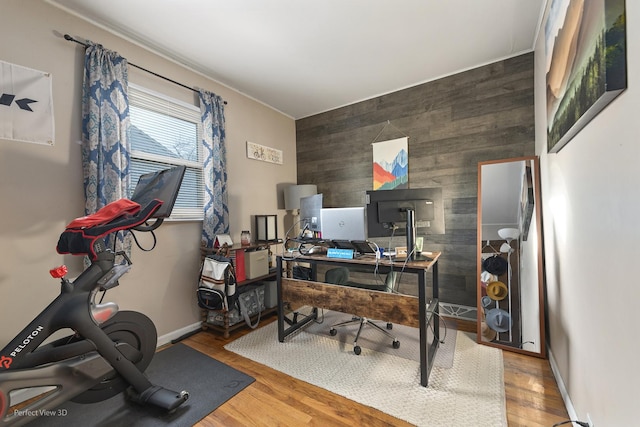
(41, 186)
(529, 274)
(591, 202)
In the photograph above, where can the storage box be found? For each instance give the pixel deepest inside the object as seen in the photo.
(256, 263)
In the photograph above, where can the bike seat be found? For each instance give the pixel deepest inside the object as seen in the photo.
(81, 234)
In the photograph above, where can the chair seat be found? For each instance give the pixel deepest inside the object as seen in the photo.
(364, 321)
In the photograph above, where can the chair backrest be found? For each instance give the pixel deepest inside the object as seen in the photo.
(340, 276)
(337, 276)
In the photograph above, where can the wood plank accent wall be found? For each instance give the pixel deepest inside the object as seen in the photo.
(452, 123)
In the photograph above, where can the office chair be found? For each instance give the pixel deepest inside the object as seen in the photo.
(340, 276)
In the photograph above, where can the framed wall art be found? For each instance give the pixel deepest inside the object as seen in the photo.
(585, 48)
(526, 203)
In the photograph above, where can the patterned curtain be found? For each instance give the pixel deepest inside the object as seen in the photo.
(216, 211)
(105, 122)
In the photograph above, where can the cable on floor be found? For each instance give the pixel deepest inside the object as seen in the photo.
(580, 423)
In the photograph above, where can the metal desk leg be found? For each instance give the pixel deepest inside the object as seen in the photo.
(422, 315)
(295, 324)
(280, 302)
(436, 308)
(428, 352)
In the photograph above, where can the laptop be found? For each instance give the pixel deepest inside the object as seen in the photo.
(343, 223)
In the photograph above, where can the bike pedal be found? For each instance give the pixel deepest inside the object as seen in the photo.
(161, 397)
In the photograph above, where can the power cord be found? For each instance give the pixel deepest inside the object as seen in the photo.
(138, 243)
(580, 423)
(446, 328)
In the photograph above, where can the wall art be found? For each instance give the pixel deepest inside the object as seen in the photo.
(526, 203)
(585, 45)
(391, 164)
(26, 104)
(262, 153)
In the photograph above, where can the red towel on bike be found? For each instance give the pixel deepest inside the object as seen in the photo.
(106, 214)
(80, 240)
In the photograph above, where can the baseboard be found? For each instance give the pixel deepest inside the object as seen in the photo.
(168, 338)
(563, 390)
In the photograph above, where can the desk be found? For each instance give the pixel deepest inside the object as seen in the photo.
(407, 310)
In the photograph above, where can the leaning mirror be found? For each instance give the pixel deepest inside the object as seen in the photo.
(510, 269)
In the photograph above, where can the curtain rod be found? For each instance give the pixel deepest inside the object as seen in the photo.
(71, 39)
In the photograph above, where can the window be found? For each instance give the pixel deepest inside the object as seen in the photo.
(165, 132)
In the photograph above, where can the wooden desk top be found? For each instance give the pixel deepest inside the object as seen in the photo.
(370, 259)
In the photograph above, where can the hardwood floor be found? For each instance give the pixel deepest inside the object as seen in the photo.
(276, 399)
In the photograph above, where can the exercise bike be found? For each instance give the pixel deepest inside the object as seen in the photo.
(110, 349)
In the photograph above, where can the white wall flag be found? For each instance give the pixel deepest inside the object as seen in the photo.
(26, 104)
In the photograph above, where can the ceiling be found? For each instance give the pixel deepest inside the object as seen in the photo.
(304, 57)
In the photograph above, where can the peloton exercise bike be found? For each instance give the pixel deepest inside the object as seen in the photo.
(110, 349)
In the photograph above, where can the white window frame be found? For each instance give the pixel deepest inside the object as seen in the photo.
(158, 102)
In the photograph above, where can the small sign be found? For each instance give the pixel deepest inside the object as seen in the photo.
(221, 240)
(262, 153)
(340, 253)
(401, 252)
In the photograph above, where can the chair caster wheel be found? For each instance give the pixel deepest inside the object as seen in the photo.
(396, 344)
(332, 332)
(389, 325)
(357, 350)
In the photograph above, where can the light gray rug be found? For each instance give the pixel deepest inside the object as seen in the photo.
(470, 393)
(373, 339)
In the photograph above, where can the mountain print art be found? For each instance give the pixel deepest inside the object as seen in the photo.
(389, 173)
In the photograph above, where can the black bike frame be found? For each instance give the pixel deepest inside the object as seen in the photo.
(77, 363)
(69, 310)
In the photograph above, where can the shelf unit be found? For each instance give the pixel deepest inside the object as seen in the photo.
(226, 329)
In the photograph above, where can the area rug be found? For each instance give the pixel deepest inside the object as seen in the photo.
(470, 393)
(373, 339)
(209, 382)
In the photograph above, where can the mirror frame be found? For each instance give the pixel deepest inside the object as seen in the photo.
(540, 270)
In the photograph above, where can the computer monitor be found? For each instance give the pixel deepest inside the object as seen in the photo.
(387, 211)
(310, 208)
(344, 223)
(162, 185)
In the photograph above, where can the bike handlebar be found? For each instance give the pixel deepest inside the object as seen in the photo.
(149, 227)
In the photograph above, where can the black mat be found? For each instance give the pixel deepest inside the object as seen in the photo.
(209, 382)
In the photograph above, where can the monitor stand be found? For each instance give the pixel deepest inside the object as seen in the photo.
(411, 238)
